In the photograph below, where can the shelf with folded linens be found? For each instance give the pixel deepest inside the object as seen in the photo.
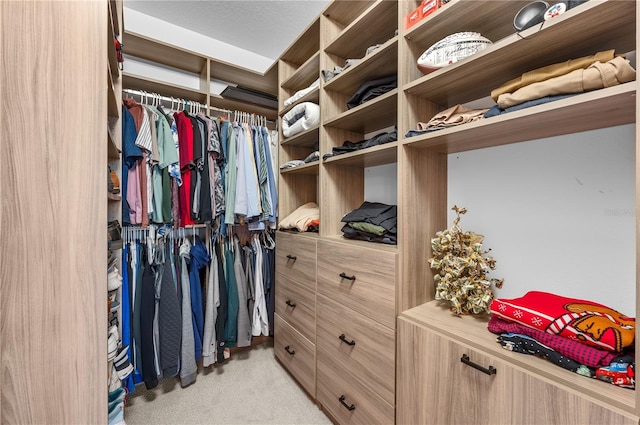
(581, 31)
(380, 20)
(379, 63)
(587, 111)
(313, 96)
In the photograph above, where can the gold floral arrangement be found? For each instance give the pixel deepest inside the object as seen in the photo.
(462, 269)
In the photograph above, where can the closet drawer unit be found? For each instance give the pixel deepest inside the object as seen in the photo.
(297, 305)
(360, 278)
(296, 353)
(365, 348)
(296, 258)
(347, 400)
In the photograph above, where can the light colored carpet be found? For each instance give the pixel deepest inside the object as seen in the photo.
(250, 388)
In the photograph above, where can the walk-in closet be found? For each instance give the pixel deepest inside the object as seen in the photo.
(319, 211)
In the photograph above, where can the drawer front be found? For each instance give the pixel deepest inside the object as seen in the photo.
(296, 353)
(348, 401)
(372, 292)
(296, 258)
(363, 347)
(297, 305)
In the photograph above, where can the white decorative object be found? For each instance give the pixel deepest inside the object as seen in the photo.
(451, 49)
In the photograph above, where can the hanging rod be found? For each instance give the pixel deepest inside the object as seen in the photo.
(146, 97)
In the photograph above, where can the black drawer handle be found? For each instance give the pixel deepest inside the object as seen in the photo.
(290, 304)
(349, 407)
(343, 338)
(344, 276)
(291, 352)
(490, 371)
(292, 257)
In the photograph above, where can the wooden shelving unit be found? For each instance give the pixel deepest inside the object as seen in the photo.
(337, 186)
(204, 69)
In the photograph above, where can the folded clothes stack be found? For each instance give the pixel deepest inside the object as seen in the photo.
(305, 218)
(582, 336)
(378, 139)
(373, 222)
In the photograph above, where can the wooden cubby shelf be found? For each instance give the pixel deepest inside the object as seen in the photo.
(375, 114)
(380, 63)
(305, 75)
(311, 168)
(112, 150)
(369, 157)
(560, 39)
(588, 111)
(112, 102)
(380, 19)
(165, 54)
(307, 138)
(151, 85)
(312, 96)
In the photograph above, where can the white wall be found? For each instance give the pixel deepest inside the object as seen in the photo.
(559, 213)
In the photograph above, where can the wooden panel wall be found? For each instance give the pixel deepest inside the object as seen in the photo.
(53, 192)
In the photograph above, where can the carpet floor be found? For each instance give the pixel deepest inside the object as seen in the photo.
(249, 388)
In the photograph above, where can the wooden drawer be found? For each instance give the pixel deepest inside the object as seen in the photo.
(361, 405)
(371, 357)
(297, 305)
(436, 387)
(372, 292)
(296, 258)
(296, 353)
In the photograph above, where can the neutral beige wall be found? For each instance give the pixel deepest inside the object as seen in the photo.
(52, 189)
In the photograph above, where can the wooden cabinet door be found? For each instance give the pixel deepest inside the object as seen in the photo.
(435, 387)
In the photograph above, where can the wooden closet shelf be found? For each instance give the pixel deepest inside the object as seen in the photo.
(111, 48)
(232, 104)
(247, 78)
(305, 45)
(472, 330)
(381, 63)
(113, 152)
(363, 244)
(571, 35)
(312, 168)
(370, 157)
(373, 115)
(112, 103)
(588, 111)
(115, 11)
(344, 12)
(492, 19)
(376, 25)
(137, 82)
(306, 74)
(113, 197)
(307, 138)
(313, 96)
(159, 52)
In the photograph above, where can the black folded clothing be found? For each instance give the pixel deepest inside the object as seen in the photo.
(372, 89)
(376, 213)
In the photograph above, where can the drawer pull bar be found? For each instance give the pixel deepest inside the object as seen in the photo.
(290, 304)
(490, 371)
(292, 257)
(343, 338)
(291, 352)
(344, 276)
(348, 407)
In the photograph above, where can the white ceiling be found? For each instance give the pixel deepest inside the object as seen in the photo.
(265, 27)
